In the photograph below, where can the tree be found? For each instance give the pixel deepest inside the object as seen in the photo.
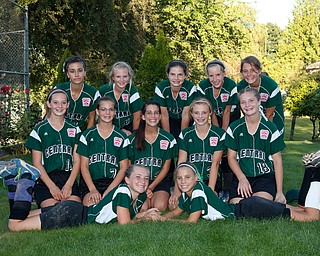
(299, 46)
(201, 30)
(152, 68)
(299, 100)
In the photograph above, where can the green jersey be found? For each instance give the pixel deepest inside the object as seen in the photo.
(128, 103)
(81, 107)
(106, 210)
(163, 95)
(56, 146)
(163, 148)
(270, 97)
(200, 151)
(205, 200)
(254, 151)
(104, 154)
(227, 95)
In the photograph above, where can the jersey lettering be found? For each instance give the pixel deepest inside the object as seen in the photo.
(58, 149)
(200, 157)
(103, 157)
(74, 116)
(121, 114)
(252, 153)
(175, 110)
(263, 168)
(149, 161)
(218, 111)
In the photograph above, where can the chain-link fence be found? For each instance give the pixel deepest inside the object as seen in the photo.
(14, 70)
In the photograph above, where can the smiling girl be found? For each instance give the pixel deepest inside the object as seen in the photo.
(122, 205)
(154, 148)
(174, 96)
(199, 201)
(126, 96)
(271, 99)
(104, 154)
(82, 95)
(201, 144)
(254, 152)
(221, 91)
(53, 143)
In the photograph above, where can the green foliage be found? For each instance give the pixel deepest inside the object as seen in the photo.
(298, 47)
(152, 67)
(103, 32)
(61, 76)
(201, 30)
(299, 95)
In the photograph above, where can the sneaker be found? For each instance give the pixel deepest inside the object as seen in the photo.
(8, 168)
(24, 167)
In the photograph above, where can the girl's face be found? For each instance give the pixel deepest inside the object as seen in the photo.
(76, 73)
(251, 74)
(152, 115)
(186, 180)
(106, 111)
(249, 104)
(121, 78)
(200, 114)
(216, 76)
(58, 104)
(138, 181)
(176, 76)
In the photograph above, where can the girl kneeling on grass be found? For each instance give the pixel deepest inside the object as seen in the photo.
(201, 202)
(121, 204)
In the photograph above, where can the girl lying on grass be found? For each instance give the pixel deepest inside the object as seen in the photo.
(121, 204)
(201, 202)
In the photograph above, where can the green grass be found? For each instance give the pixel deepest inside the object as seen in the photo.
(239, 237)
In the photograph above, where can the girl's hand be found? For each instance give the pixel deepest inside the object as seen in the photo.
(94, 196)
(149, 193)
(127, 132)
(56, 193)
(174, 200)
(66, 191)
(280, 198)
(152, 214)
(244, 188)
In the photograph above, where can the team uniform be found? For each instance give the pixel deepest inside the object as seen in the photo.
(163, 148)
(163, 95)
(227, 96)
(212, 208)
(104, 156)
(128, 103)
(70, 213)
(81, 107)
(270, 97)
(200, 151)
(254, 152)
(57, 149)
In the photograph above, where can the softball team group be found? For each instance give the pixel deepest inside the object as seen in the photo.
(127, 162)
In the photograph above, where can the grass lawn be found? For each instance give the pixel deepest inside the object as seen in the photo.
(238, 237)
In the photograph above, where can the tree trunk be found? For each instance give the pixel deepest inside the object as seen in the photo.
(313, 120)
(293, 124)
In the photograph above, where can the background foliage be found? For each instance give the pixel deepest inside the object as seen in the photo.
(148, 33)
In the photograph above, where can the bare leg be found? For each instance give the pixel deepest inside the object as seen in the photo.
(160, 200)
(309, 214)
(30, 223)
